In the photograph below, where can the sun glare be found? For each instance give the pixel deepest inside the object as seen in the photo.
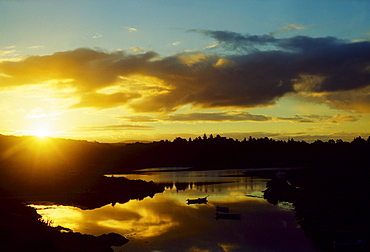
(42, 132)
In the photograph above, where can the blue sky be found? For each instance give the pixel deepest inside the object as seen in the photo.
(122, 102)
(64, 25)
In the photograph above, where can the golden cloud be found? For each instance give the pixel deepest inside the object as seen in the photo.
(131, 29)
(290, 27)
(315, 69)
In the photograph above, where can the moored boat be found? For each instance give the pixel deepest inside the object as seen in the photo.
(198, 200)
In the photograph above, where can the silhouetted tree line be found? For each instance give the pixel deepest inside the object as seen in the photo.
(221, 152)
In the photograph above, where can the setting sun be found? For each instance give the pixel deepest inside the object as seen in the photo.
(42, 132)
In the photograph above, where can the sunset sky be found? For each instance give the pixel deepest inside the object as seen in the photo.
(115, 70)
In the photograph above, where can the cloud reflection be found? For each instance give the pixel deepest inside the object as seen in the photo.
(167, 223)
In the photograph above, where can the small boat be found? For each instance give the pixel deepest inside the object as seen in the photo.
(228, 216)
(198, 200)
(222, 209)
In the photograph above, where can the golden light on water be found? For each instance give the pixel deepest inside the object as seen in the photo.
(120, 218)
(167, 221)
(147, 218)
(60, 215)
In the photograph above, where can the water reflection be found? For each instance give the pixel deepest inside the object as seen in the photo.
(166, 223)
(181, 175)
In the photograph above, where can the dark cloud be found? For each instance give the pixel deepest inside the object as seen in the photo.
(264, 69)
(344, 65)
(307, 44)
(233, 40)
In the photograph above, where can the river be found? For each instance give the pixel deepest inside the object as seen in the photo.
(166, 222)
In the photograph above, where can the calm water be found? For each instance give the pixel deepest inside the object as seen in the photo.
(166, 223)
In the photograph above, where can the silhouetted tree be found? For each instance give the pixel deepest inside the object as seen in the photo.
(179, 140)
(358, 140)
(205, 136)
(339, 141)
